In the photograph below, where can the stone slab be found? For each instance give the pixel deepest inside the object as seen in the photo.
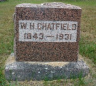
(44, 70)
(47, 32)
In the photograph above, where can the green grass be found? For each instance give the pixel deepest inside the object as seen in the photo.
(88, 49)
(87, 45)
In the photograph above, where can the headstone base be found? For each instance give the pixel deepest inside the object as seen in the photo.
(44, 70)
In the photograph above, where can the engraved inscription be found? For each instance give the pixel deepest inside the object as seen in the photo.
(47, 31)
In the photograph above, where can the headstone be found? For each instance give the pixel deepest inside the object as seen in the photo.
(47, 32)
(46, 43)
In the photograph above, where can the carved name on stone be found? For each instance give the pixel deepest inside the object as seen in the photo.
(47, 31)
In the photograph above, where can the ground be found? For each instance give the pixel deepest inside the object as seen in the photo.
(87, 45)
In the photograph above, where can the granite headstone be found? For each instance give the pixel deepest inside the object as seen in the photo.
(46, 36)
(47, 32)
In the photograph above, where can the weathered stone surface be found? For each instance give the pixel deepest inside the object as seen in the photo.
(36, 41)
(44, 70)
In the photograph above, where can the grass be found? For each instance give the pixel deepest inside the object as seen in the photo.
(87, 45)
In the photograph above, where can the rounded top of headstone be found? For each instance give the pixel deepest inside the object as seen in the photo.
(50, 5)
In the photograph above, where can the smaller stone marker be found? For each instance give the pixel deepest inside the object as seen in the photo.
(47, 32)
(46, 36)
